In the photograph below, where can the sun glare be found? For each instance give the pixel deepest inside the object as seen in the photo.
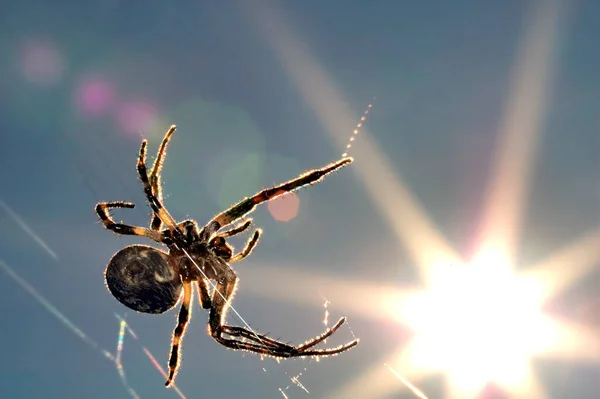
(477, 321)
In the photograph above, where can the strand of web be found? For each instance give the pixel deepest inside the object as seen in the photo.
(418, 393)
(115, 358)
(357, 129)
(351, 140)
(124, 326)
(296, 379)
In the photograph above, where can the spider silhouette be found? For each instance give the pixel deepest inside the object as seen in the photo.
(150, 280)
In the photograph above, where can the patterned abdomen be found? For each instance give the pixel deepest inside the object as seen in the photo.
(140, 278)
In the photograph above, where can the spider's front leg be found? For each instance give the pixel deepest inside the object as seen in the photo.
(247, 205)
(248, 248)
(154, 202)
(155, 173)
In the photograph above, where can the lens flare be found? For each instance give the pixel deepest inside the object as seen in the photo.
(94, 96)
(284, 208)
(134, 117)
(41, 63)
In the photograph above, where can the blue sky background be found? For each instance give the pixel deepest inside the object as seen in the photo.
(81, 83)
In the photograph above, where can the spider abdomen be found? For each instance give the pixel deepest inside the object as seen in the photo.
(140, 278)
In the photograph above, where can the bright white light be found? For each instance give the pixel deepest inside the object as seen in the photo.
(479, 322)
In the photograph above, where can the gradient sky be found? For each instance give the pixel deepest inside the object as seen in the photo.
(82, 83)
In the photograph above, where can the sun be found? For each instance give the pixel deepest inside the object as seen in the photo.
(480, 322)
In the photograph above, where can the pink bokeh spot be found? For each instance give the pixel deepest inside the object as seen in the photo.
(491, 391)
(135, 117)
(41, 63)
(94, 96)
(284, 208)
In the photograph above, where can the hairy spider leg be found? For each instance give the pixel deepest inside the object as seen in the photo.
(248, 248)
(103, 211)
(226, 286)
(281, 349)
(237, 229)
(247, 205)
(249, 245)
(189, 228)
(155, 174)
(185, 315)
(221, 300)
(204, 297)
(223, 292)
(262, 344)
(154, 202)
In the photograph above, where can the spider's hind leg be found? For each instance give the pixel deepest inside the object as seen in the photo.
(245, 339)
(185, 314)
(221, 301)
(280, 349)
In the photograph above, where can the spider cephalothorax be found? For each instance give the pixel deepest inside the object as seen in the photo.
(150, 280)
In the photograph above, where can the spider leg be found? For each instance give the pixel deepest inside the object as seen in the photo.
(221, 300)
(154, 176)
(189, 228)
(248, 248)
(281, 349)
(185, 315)
(249, 340)
(155, 203)
(247, 205)
(205, 300)
(103, 211)
(236, 230)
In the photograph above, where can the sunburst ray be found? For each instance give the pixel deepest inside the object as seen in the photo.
(567, 265)
(520, 130)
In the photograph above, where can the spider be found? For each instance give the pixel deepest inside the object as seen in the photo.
(150, 280)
